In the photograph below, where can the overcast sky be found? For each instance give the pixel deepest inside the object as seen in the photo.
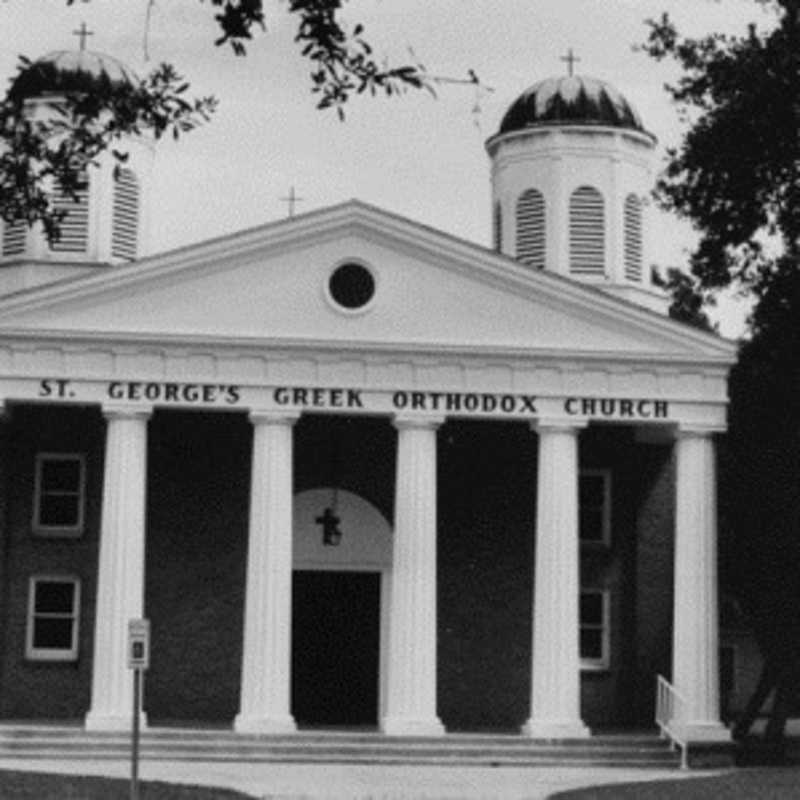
(417, 156)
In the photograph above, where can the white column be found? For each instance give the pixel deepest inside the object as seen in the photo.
(555, 667)
(266, 660)
(695, 671)
(120, 579)
(411, 687)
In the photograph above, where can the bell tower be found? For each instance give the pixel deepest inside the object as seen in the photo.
(106, 221)
(571, 174)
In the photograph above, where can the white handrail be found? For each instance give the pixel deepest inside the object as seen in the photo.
(670, 716)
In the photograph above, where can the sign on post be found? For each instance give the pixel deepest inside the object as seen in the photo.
(138, 661)
(138, 643)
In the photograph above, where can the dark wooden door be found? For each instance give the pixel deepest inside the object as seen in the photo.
(335, 647)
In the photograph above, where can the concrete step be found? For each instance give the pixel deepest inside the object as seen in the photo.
(335, 747)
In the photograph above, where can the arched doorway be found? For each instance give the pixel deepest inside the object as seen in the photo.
(339, 610)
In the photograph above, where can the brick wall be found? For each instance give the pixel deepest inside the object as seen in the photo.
(198, 490)
(487, 511)
(32, 689)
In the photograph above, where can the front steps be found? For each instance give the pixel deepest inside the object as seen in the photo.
(175, 744)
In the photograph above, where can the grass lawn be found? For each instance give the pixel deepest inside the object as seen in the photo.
(44, 786)
(758, 784)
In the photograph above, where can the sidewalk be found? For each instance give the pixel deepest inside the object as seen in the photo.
(361, 782)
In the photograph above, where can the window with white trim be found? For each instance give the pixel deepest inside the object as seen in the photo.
(594, 506)
(53, 615)
(59, 494)
(594, 629)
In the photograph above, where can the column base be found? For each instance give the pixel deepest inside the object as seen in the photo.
(408, 726)
(113, 722)
(555, 729)
(277, 725)
(697, 732)
(710, 745)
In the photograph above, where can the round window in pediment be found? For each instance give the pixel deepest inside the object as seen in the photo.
(351, 286)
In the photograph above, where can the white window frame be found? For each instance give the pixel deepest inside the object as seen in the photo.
(52, 653)
(605, 474)
(42, 529)
(602, 663)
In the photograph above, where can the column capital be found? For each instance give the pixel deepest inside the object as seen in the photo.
(271, 417)
(423, 421)
(698, 430)
(127, 411)
(558, 424)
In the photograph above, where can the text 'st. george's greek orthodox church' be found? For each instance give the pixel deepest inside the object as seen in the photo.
(356, 471)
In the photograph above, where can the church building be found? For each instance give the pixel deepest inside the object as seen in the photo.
(357, 472)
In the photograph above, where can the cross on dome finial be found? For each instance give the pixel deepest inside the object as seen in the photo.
(570, 58)
(82, 33)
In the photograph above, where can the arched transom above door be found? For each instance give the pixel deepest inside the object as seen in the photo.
(336, 529)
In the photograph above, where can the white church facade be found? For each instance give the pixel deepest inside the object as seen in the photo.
(356, 471)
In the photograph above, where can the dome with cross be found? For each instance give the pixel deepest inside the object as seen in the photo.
(68, 71)
(571, 100)
(105, 215)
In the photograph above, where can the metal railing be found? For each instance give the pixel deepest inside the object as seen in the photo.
(670, 714)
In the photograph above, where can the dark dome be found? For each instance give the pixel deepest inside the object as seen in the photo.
(571, 100)
(70, 71)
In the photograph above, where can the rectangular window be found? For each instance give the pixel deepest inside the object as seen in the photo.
(58, 503)
(594, 629)
(594, 504)
(53, 610)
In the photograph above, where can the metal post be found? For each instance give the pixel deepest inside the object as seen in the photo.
(137, 678)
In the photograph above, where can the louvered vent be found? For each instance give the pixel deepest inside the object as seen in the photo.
(74, 226)
(497, 228)
(586, 232)
(125, 219)
(531, 229)
(633, 238)
(14, 238)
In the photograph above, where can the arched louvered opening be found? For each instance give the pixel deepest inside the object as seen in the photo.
(633, 238)
(587, 232)
(531, 229)
(497, 227)
(125, 215)
(14, 238)
(74, 226)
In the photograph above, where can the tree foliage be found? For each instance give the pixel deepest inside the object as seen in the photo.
(37, 155)
(736, 176)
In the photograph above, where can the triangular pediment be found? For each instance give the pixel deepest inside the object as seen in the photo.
(432, 291)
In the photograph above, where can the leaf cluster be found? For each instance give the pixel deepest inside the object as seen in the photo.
(342, 60)
(41, 154)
